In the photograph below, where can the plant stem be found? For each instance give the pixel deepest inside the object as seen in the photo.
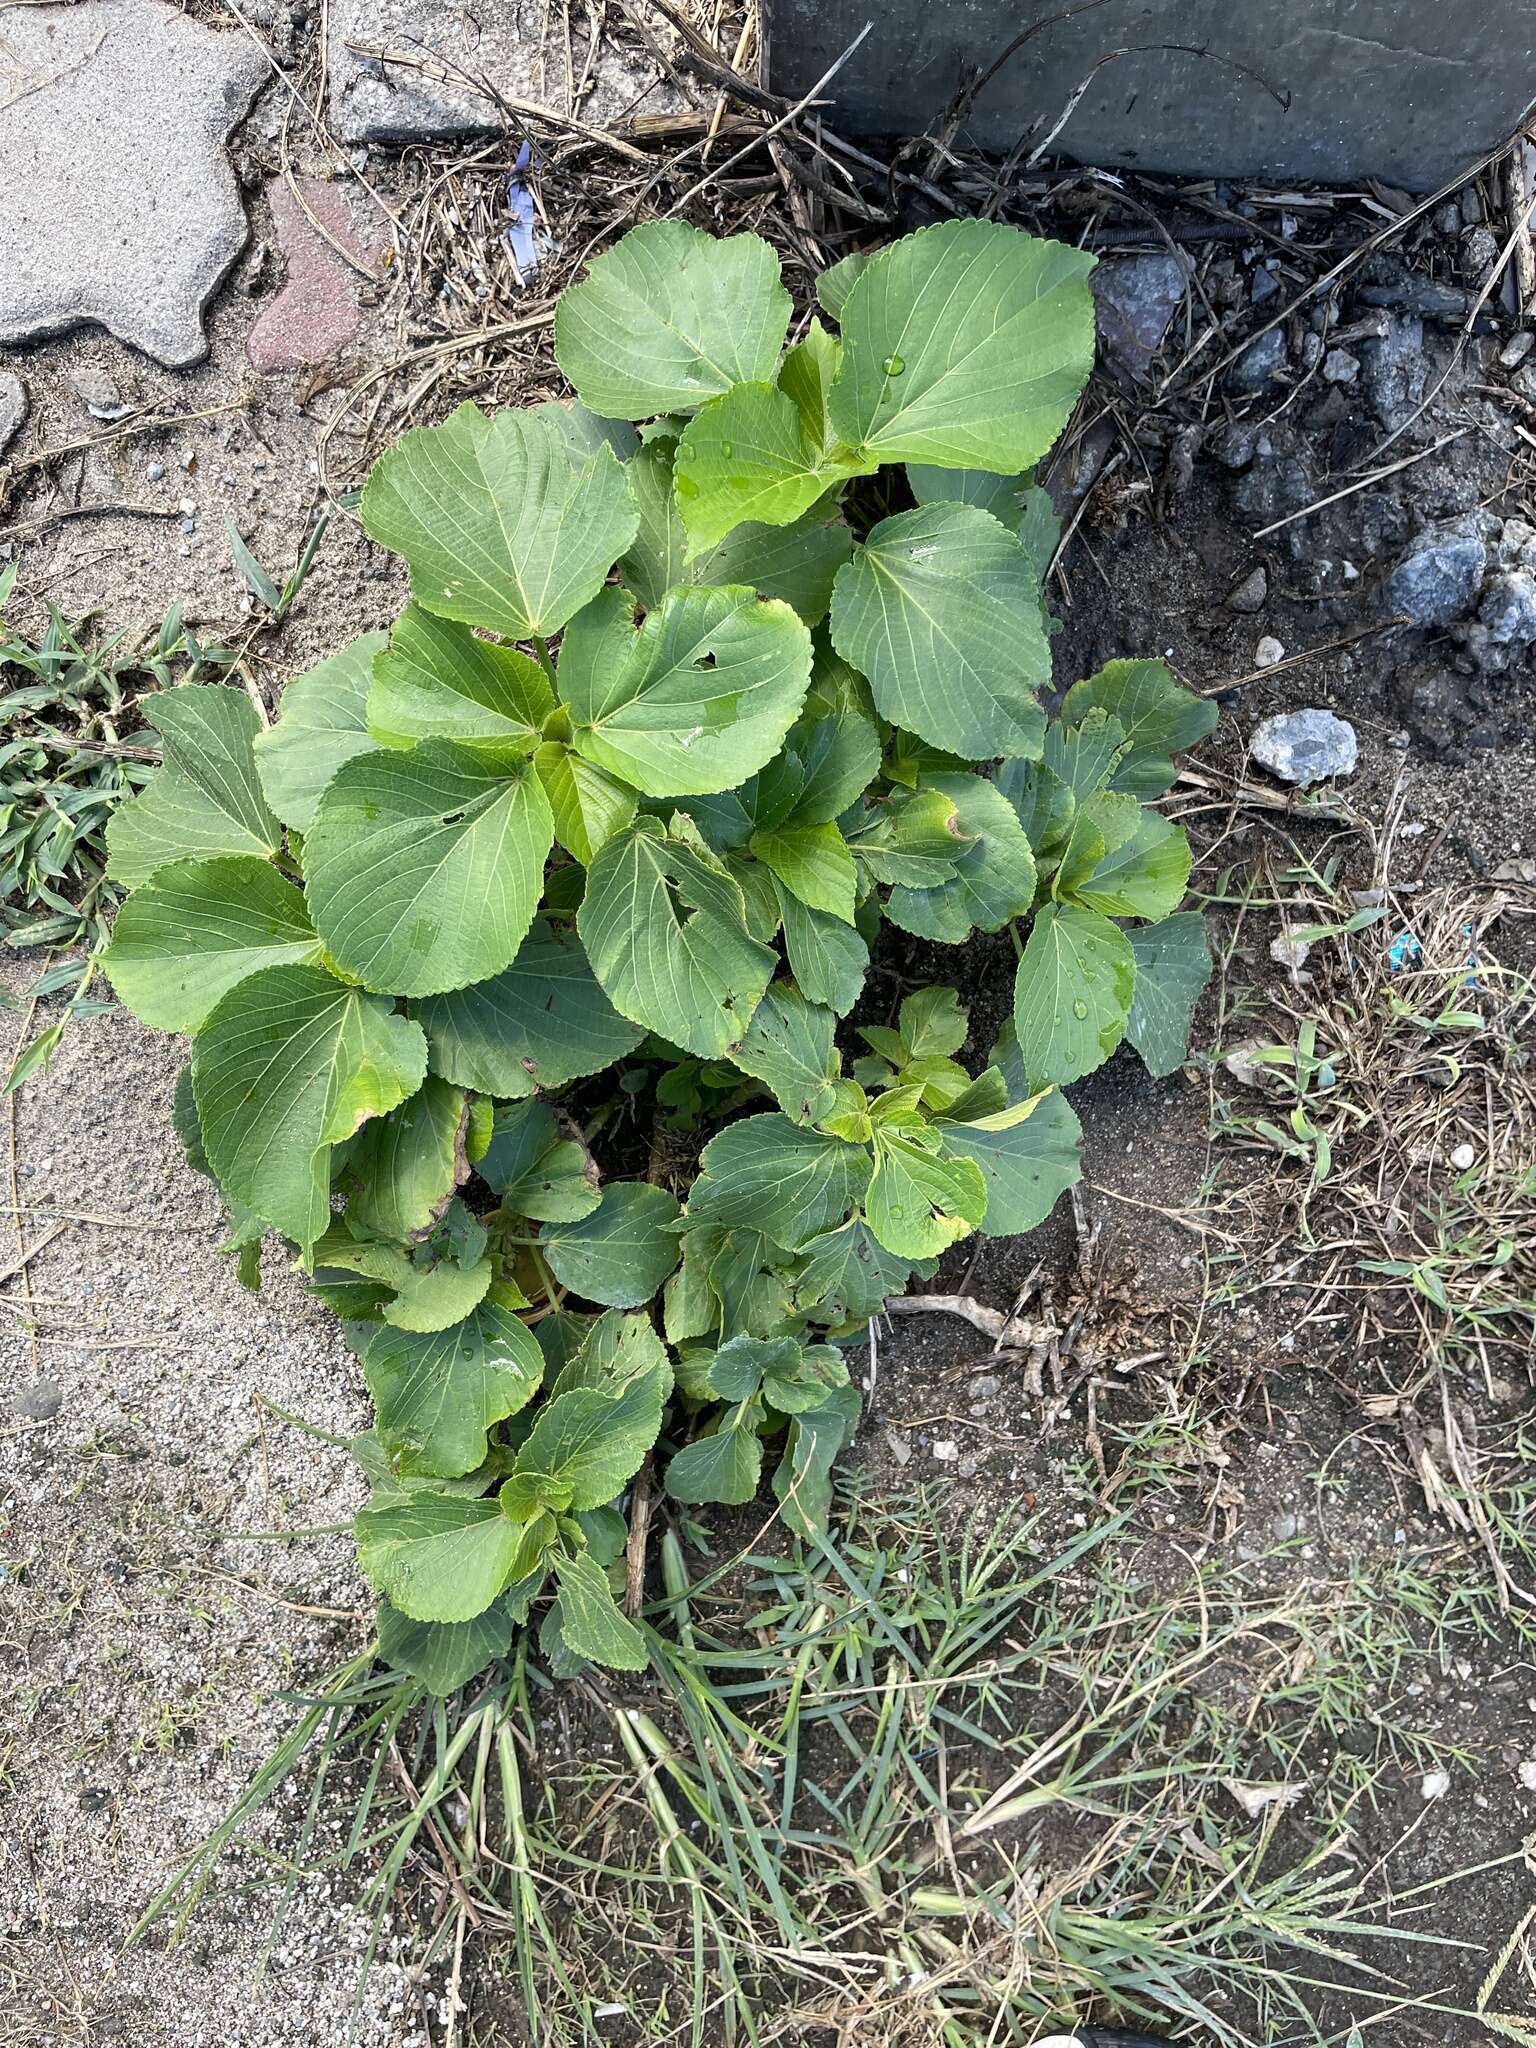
(546, 662)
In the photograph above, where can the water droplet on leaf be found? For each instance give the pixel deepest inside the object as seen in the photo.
(893, 366)
(725, 450)
(1079, 1008)
(686, 487)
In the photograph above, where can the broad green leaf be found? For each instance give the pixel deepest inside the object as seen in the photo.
(423, 1297)
(669, 318)
(838, 280)
(664, 928)
(1173, 964)
(933, 1024)
(1072, 993)
(206, 799)
(403, 1168)
(537, 1172)
(747, 1279)
(803, 1481)
(806, 377)
(587, 804)
(739, 1367)
(583, 432)
(443, 1654)
(591, 1624)
(1043, 801)
(1086, 753)
(1023, 507)
(1159, 715)
(994, 878)
(752, 454)
(1102, 825)
(616, 1348)
(827, 958)
(915, 840)
(766, 1174)
(620, 1253)
(1145, 876)
(185, 938)
(593, 1443)
(919, 1203)
(1039, 531)
(540, 1023)
(424, 868)
(437, 1393)
(436, 1556)
(288, 1064)
(321, 722)
(812, 862)
(796, 563)
(788, 1046)
(848, 1274)
(965, 345)
(437, 680)
(1028, 1156)
(1002, 496)
(941, 610)
(499, 525)
(839, 757)
(724, 1467)
(703, 696)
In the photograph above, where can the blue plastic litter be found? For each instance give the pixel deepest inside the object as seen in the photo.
(1404, 951)
(522, 237)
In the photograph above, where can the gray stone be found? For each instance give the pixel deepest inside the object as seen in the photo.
(98, 393)
(1393, 372)
(1260, 363)
(39, 1402)
(1413, 92)
(1304, 746)
(1136, 297)
(1508, 608)
(1340, 367)
(407, 70)
(1250, 594)
(1438, 579)
(1516, 349)
(120, 206)
(13, 408)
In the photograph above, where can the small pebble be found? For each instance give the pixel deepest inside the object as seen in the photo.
(101, 397)
(1463, 1157)
(946, 1451)
(156, 472)
(1516, 349)
(1435, 1785)
(1340, 367)
(1250, 594)
(1268, 652)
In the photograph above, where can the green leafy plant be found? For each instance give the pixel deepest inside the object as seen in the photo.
(701, 683)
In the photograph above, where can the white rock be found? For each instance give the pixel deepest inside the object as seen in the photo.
(1268, 652)
(1435, 1784)
(1463, 1157)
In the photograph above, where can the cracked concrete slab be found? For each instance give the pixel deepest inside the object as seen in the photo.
(411, 70)
(119, 204)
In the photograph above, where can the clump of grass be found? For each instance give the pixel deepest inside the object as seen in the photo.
(69, 718)
(915, 1787)
(1398, 1100)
